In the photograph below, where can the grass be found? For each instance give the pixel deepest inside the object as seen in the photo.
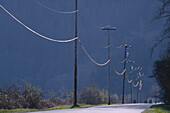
(17, 110)
(54, 108)
(71, 106)
(158, 109)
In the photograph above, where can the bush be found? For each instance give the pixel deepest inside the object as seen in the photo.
(15, 97)
(114, 98)
(94, 95)
(32, 95)
(11, 97)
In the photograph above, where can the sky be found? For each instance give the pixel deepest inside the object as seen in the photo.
(50, 65)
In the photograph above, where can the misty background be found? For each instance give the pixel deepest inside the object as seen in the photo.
(50, 65)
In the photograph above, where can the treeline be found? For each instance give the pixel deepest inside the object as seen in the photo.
(28, 96)
(162, 74)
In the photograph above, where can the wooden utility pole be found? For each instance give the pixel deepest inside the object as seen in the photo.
(131, 70)
(124, 75)
(131, 86)
(108, 28)
(137, 93)
(75, 65)
(126, 47)
(140, 96)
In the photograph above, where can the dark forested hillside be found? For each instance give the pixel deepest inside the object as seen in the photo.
(49, 65)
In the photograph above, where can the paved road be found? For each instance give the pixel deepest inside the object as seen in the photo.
(126, 108)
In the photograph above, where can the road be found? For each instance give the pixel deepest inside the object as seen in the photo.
(126, 108)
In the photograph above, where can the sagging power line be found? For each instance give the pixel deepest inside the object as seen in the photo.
(118, 73)
(75, 39)
(61, 12)
(99, 64)
(40, 35)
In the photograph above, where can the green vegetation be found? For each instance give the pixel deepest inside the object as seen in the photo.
(161, 73)
(94, 95)
(158, 109)
(70, 106)
(27, 98)
(53, 108)
(162, 66)
(17, 110)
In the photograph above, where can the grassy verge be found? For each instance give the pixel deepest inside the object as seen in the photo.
(70, 106)
(158, 109)
(54, 108)
(17, 110)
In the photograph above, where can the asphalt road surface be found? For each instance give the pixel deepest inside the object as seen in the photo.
(126, 108)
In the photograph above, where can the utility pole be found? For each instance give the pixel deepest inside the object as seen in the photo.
(140, 91)
(108, 28)
(126, 47)
(137, 93)
(131, 83)
(140, 96)
(138, 69)
(131, 70)
(75, 65)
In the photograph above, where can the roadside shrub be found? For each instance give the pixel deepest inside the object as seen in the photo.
(114, 98)
(15, 97)
(92, 95)
(28, 96)
(11, 97)
(32, 95)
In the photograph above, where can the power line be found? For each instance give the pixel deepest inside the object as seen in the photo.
(140, 88)
(124, 60)
(107, 46)
(91, 57)
(42, 36)
(62, 12)
(121, 73)
(129, 81)
(136, 84)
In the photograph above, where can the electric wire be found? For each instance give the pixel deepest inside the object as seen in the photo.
(117, 71)
(47, 38)
(136, 84)
(91, 57)
(121, 46)
(62, 12)
(129, 81)
(86, 28)
(107, 46)
(141, 74)
(137, 77)
(140, 88)
(124, 60)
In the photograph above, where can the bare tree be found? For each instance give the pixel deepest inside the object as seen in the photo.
(164, 15)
